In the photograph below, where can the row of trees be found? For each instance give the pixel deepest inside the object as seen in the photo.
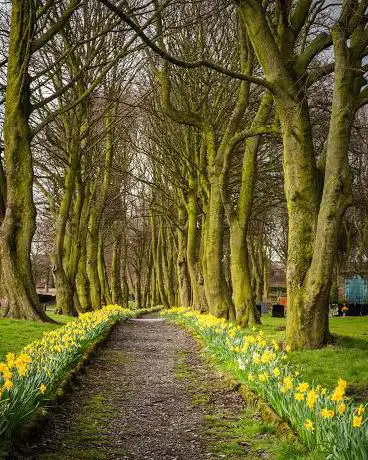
(177, 148)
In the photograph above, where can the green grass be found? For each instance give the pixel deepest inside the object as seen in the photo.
(235, 433)
(347, 358)
(15, 333)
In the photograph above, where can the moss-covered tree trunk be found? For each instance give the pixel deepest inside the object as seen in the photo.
(147, 281)
(96, 215)
(138, 289)
(18, 225)
(82, 281)
(314, 220)
(92, 260)
(199, 301)
(124, 279)
(63, 246)
(157, 260)
(243, 292)
(76, 241)
(166, 257)
(102, 274)
(81, 278)
(182, 265)
(116, 291)
(217, 290)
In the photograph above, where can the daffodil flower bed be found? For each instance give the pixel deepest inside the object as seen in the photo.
(28, 379)
(325, 420)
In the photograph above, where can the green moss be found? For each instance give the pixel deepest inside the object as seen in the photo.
(234, 433)
(115, 357)
(88, 436)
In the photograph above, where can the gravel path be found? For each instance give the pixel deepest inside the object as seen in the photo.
(147, 395)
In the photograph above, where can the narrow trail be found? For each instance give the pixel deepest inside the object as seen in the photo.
(148, 394)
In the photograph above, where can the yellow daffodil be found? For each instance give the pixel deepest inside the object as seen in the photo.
(288, 383)
(299, 396)
(8, 384)
(303, 387)
(276, 372)
(263, 377)
(341, 408)
(360, 410)
(10, 359)
(43, 388)
(309, 425)
(251, 377)
(312, 397)
(327, 413)
(357, 421)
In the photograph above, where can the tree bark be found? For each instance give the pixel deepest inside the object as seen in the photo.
(117, 294)
(19, 222)
(182, 265)
(314, 220)
(199, 301)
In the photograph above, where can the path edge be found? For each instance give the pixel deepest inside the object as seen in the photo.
(63, 388)
(268, 415)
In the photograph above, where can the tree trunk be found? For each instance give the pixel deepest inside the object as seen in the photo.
(62, 246)
(101, 267)
(147, 283)
(19, 223)
(95, 218)
(82, 282)
(156, 252)
(240, 276)
(117, 294)
(182, 266)
(92, 262)
(313, 220)
(199, 301)
(138, 290)
(217, 291)
(165, 256)
(243, 293)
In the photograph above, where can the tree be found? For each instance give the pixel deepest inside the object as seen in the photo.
(315, 210)
(18, 218)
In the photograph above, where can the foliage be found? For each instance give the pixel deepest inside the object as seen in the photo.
(28, 379)
(325, 420)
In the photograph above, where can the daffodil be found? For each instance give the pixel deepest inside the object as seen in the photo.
(276, 372)
(263, 377)
(312, 397)
(360, 410)
(8, 384)
(288, 383)
(309, 425)
(327, 413)
(303, 387)
(341, 408)
(357, 421)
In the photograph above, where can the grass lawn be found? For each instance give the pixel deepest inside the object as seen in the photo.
(15, 334)
(347, 358)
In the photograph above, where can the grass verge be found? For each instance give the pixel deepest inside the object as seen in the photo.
(346, 358)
